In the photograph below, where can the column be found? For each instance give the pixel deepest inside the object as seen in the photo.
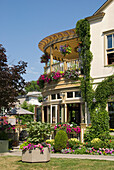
(50, 113)
(51, 59)
(65, 65)
(83, 128)
(86, 112)
(42, 114)
(65, 112)
(62, 114)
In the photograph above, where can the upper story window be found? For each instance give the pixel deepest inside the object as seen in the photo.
(74, 94)
(78, 94)
(69, 94)
(110, 49)
(55, 96)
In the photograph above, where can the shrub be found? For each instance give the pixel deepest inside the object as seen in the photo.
(38, 132)
(60, 140)
(96, 143)
(74, 143)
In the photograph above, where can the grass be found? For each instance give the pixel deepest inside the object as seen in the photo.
(15, 163)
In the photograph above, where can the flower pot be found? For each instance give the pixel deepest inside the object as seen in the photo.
(35, 155)
(4, 146)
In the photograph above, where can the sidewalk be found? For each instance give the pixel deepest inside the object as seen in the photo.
(17, 152)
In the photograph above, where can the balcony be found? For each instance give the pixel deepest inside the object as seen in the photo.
(63, 66)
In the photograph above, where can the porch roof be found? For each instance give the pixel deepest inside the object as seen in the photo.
(56, 40)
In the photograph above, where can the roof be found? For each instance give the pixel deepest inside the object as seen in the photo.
(56, 40)
(103, 6)
(34, 93)
(20, 111)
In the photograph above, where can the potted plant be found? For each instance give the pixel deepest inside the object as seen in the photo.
(35, 149)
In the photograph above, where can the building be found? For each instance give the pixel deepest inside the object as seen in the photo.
(62, 99)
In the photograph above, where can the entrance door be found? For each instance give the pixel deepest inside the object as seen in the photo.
(53, 113)
(74, 113)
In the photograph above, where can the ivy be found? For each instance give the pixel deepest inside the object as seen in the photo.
(104, 90)
(83, 32)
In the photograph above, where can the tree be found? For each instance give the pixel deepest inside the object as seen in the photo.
(32, 86)
(11, 81)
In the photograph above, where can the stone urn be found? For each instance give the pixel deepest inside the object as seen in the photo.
(35, 155)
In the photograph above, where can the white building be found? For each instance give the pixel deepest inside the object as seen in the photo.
(63, 98)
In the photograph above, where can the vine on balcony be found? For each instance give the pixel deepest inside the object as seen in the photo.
(83, 32)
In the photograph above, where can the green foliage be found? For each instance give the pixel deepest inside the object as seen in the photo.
(96, 143)
(60, 140)
(83, 32)
(25, 119)
(104, 90)
(23, 144)
(28, 107)
(38, 132)
(32, 86)
(100, 125)
(31, 108)
(74, 143)
(24, 105)
(40, 98)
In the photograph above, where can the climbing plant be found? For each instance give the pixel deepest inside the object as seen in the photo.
(83, 32)
(104, 90)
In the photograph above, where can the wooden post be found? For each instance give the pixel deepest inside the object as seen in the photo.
(51, 59)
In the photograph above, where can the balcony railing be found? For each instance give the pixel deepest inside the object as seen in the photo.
(74, 64)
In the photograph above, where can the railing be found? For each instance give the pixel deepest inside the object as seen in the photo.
(74, 64)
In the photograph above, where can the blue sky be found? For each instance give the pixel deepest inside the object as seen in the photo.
(23, 23)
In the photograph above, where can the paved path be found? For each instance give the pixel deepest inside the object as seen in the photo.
(17, 152)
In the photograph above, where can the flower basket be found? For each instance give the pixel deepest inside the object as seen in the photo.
(65, 49)
(45, 58)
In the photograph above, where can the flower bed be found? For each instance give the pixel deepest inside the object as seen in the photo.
(68, 128)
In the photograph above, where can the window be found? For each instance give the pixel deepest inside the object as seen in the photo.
(69, 94)
(58, 96)
(78, 94)
(110, 49)
(53, 96)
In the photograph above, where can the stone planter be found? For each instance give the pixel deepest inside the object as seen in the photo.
(4, 146)
(36, 156)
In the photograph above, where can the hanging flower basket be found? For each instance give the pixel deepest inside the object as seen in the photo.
(65, 49)
(79, 47)
(45, 58)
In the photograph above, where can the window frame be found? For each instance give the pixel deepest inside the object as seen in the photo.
(106, 49)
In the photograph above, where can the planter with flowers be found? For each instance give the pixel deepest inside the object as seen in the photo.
(35, 149)
(5, 130)
(65, 49)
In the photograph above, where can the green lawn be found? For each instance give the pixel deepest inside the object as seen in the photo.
(15, 163)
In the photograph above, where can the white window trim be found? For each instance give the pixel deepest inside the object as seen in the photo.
(106, 33)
